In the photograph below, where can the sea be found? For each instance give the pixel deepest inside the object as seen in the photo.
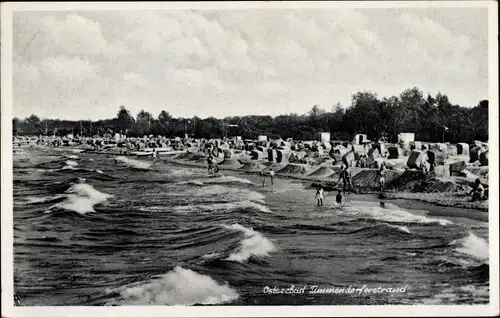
(104, 230)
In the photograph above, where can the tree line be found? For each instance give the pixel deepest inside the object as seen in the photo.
(431, 118)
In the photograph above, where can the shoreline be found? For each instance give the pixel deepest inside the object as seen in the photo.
(436, 204)
(415, 202)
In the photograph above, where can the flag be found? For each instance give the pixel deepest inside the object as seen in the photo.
(446, 128)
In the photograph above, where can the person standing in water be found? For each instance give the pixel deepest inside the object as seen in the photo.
(339, 197)
(214, 166)
(155, 155)
(271, 173)
(320, 195)
(210, 164)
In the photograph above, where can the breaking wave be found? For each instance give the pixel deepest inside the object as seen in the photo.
(229, 206)
(391, 214)
(472, 245)
(233, 194)
(73, 157)
(81, 198)
(135, 164)
(226, 179)
(191, 182)
(177, 287)
(253, 244)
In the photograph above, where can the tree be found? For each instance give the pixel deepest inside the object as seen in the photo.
(143, 123)
(480, 120)
(164, 120)
(316, 111)
(410, 111)
(15, 125)
(411, 102)
(365, 114)
(33, 119)
(124, 121)
(164, 117)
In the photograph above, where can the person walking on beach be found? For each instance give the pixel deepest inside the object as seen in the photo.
(345, 176)
(155, 155)
(381, 178)
(320, 195)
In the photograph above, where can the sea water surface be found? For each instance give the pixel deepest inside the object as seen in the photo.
(92, 230)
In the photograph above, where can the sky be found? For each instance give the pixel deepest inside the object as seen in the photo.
(82, 65)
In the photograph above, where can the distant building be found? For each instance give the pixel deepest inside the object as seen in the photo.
(238, 138)
(324, 136)
(262, 138)
(406, 138)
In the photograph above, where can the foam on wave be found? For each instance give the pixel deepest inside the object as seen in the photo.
(82, 198)
(227, 179)
(233, 194)
(177, 287)
(222, 207)
(473, 245)
(393, 214)
(135, 164)
(253, 244)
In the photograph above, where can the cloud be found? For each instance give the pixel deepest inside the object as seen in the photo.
(65, 68)
(135, 79)
(218, 63)
(73, 35)
(26, 73)
(186, 50)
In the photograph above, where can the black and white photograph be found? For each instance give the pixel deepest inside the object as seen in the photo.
(226, 158)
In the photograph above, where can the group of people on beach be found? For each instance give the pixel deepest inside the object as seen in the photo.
(271, 175)
(320, 196)
(345, 176)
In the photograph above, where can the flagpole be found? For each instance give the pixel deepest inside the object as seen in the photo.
(194, 125)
